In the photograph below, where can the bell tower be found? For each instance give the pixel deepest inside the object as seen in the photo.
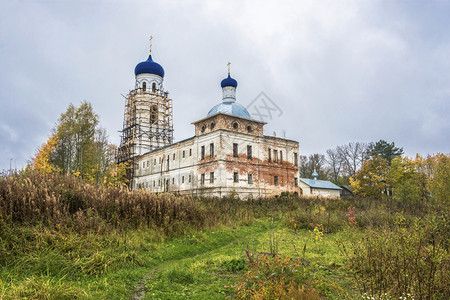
(148, 114)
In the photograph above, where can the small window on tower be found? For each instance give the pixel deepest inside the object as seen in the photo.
(144, 86)
(212, 125)
(203, 128)
(235, 125)
(153, 86)
(249, 128)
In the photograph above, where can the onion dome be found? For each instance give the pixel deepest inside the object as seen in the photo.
(230, 108)
(314, 174)
(149, 67)
(229, 82)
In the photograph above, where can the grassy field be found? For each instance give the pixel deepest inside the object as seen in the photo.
(64, 239)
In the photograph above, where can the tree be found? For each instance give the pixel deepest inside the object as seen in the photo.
(352, 157)
(42, 160)
(371, 180)
(439, 181)
(313, 162)
(334, 164)
(406, 180)
(79, 146)
(384, 149)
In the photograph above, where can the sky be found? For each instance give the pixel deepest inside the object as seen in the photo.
(323, 73)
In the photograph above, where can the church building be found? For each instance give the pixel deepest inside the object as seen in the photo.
(228, 155)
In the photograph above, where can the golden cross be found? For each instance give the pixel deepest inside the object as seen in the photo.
(151, 37)
(228, 67)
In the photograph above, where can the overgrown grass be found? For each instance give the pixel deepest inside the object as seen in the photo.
(65, 239)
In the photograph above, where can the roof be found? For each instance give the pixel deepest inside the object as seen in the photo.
(320, 184)
(149, 67)
(230, 108)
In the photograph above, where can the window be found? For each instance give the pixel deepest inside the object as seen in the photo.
(249, 152)
(249, 128)
(174, 156)
(211, 177)
(212, 125)
(250, 178)
(190, 152)
(154, 161)
(143, 164)
(148, 162)
(281, 157)
(144, 86)
(275, 156)
(189, 178)
(236, 177)
(202, 157)
(202, 178)
(275, 180)
(295, 159)
(182, 179)
(153, 114)
(296, 182)
(184, 153)
(159, 182)
(203, 128)
(235, 150)
(211, 150)
(173, 180)
(153, 183)
(235, 125)
(270, 155)
(153, 86)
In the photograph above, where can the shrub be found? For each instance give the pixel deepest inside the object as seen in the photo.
(401, 261)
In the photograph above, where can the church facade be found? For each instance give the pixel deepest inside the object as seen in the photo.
(228, 155)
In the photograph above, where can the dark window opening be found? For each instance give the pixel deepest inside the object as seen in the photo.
(275, 180)
(190, 152)
(250, 178)
(295, 159)
(249, 152)
(236, 177)
(212, 125)
(202, 153)
(249, 128)
(182, 179)
(174, 156)
(211, 150)
(235, 150)
(275, 156)
(144, 86)
(153, 86)
(235, 125)
(211, 177)
(270, 155)
(281, 157)
(296, 182)
(173, 180)
(153, 114)
(189, 178)
(184, 153)
(202, 178)
(203, 128)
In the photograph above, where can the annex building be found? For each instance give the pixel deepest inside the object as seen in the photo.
(229, 153)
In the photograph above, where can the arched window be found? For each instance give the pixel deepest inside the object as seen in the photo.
(153, 86)
(144, 86)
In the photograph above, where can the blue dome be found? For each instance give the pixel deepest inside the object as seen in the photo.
(150, 67)
(230, 108)
(228, 82)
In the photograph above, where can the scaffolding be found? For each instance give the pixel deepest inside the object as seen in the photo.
(147, 125)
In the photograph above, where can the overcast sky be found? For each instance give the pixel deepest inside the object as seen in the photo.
(332, 72)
